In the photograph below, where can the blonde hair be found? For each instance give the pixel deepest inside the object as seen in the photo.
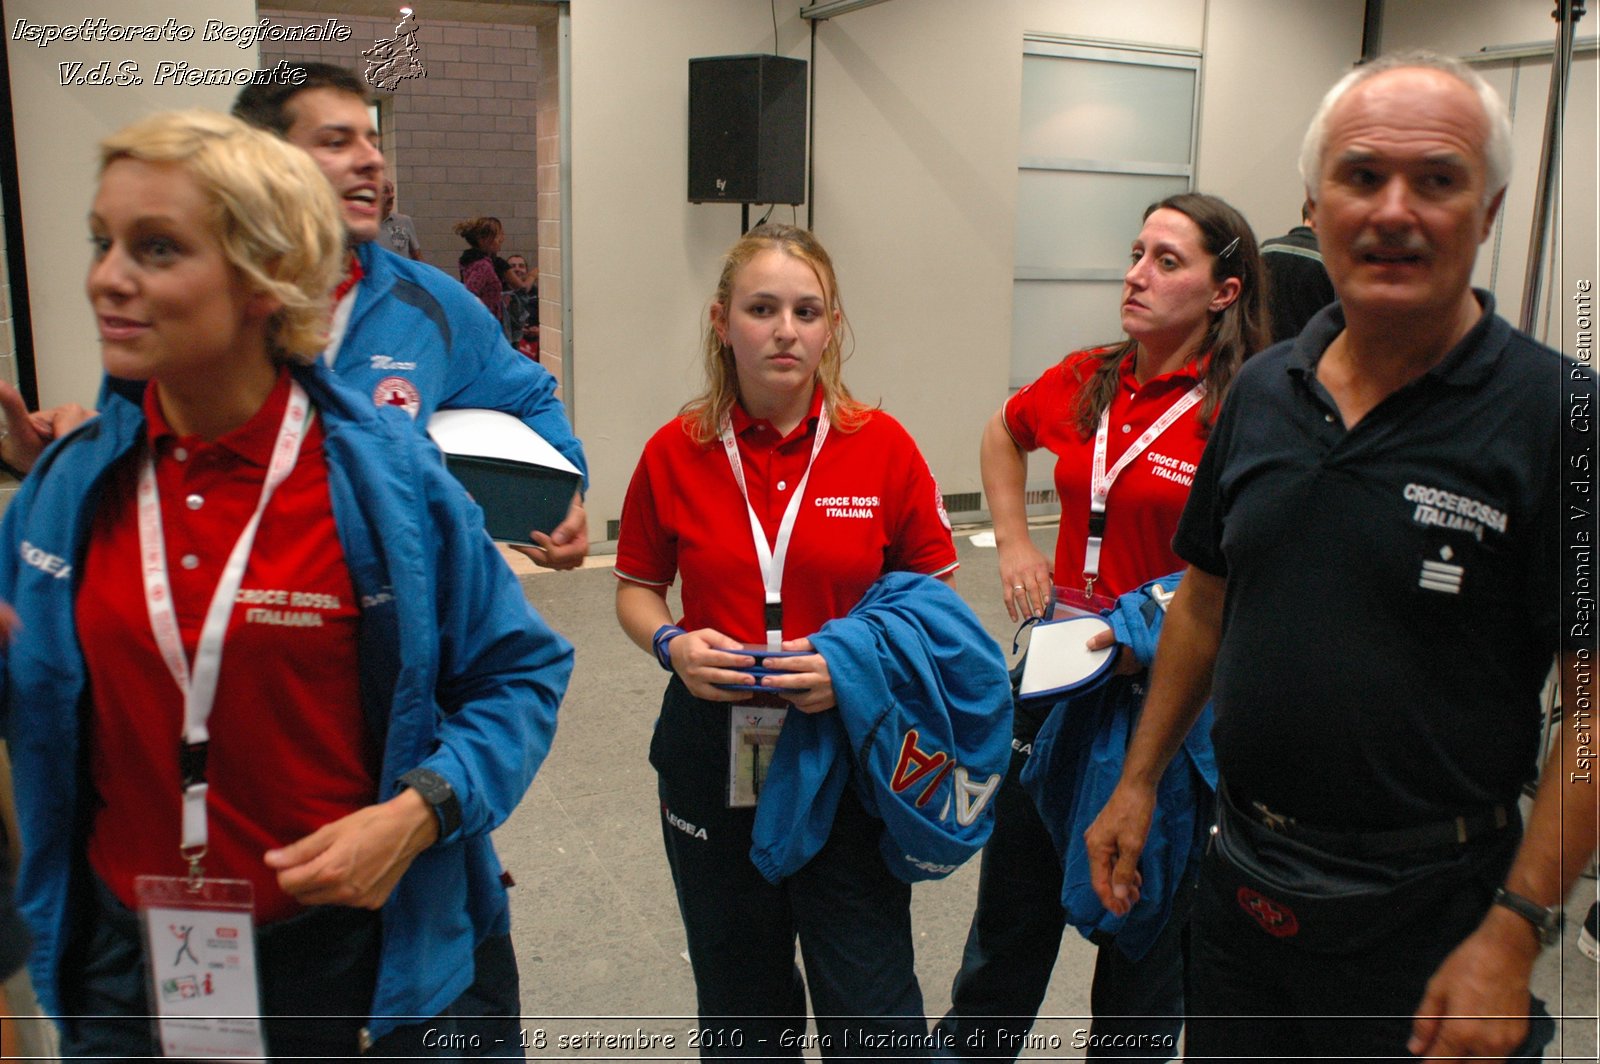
(704, 413)
(274, 213)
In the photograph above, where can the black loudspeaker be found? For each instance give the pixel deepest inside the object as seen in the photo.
(747, 129)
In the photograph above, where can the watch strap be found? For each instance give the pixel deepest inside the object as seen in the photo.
(440, 796)
(1546, 920)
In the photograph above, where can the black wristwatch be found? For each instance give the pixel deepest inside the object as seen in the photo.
(1546, 920)
(439, 795)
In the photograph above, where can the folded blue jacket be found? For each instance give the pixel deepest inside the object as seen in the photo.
(1076, 763)
(922, 729)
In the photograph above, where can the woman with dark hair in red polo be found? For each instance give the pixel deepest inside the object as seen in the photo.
(1126, 424)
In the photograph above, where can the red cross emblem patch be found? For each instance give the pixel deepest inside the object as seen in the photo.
(397, 391)
(1275, 918)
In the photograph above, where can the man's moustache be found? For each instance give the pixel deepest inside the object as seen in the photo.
(1405, 243)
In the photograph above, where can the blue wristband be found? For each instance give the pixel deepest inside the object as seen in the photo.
(661, 642)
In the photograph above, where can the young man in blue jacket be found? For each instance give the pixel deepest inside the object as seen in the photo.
(403, 332)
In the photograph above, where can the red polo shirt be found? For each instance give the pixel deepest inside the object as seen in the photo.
(290, 748)
(1147, 498)
(870, 507)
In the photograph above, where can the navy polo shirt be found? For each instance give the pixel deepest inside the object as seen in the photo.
(1393, 589)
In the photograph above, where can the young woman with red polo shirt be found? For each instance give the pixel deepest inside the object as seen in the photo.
(839, 495)
(1133, 418)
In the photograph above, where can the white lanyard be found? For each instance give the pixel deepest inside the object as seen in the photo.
(771, 559)
(340, 323)
(199, 686)
(1101, 480)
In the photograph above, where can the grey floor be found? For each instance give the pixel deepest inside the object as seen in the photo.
(595, 921)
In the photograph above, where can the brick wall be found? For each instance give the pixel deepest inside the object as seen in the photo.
(460, 141)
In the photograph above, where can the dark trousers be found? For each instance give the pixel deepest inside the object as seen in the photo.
(1012, 946)
(316, 972)
(851, 916)
(1255, 997)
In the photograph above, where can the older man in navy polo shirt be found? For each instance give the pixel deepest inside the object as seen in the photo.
(1376, 594)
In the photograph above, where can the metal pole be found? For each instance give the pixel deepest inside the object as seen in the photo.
(1372, 30)
(1566, 14)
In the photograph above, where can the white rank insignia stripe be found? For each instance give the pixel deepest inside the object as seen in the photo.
(1441, 575)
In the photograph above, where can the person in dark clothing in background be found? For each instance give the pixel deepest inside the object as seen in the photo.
(1297, 282)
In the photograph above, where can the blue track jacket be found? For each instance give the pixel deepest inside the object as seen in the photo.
(458, 674)
(1076, 763)
(415, 322)
(922, 728)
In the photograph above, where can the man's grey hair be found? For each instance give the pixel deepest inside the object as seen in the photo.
(1496, 150)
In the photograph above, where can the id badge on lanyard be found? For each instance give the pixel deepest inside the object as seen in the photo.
(200, 964)
(752, 731)
(751, 741)
(199, 933)
(1100, 483)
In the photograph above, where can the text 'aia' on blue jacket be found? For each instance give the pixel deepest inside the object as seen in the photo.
(922, 731)
(458, 675)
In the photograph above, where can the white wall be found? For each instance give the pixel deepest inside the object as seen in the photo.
(916, 160)
(917, 105)
(1267, 65)
(644, 260)
(1460, 27)
(57, 128)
